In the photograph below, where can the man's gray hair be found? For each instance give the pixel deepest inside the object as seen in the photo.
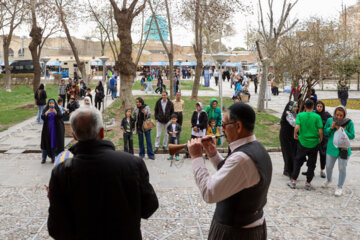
(86, 123)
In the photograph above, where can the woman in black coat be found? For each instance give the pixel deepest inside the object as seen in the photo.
(287, 141)
(52, 135)
(99, 95)
(320, 109)
(199, 121)
(40, 99)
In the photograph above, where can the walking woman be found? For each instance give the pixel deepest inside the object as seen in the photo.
(141, 113)
(320, 109)
(52, 135)
(99, 95)
(333, 153)
(287, 141)
(40, 99)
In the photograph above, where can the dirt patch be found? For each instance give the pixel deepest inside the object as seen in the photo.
(28, 106)
(266, 122)
(275, 128)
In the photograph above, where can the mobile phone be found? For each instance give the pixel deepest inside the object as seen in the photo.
(52, 107)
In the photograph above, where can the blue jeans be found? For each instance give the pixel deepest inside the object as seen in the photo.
(150, 151)
(44, 154)
(149, 87)
(40, 110)
(113, 93)
(342, 163)
(343, 102)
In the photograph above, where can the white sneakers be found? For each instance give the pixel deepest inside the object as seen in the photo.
(325, 184)
(338, 192)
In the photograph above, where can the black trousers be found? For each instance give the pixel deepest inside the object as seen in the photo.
(216, 80)
(63, 98)
(322, 153)
(98, 104)
(67, 98)
(174, 140)
(256, 86)
(128, 143)
(300, 158)
(220, 231)
(180, 118)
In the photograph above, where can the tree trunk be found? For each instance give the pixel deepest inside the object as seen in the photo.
(125, 64)
(198, 71)
(171, 75)
(36, 36)
(6, 43)
(358, 81)
(81, 65)
(263, 85)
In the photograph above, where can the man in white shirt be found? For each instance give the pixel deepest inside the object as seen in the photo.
(240, 185)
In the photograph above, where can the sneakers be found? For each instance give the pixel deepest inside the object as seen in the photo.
(325, 184)
(177, 158)
(156, 150)
(308, 186)
(171, 157)
(291, 185)
(338, 192)
(322, 174)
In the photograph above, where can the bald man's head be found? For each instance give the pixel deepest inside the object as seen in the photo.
(86, 123)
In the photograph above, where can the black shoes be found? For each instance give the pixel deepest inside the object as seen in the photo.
(43, 161)
(156, 150)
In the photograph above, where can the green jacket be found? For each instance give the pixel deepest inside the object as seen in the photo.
(331, 149)
(214, 113)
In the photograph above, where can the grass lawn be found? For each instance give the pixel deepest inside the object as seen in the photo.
(19, 104)
(351, 103)
(185, 85)
(266, 129)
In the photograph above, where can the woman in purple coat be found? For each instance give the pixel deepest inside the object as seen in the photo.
(52, 135)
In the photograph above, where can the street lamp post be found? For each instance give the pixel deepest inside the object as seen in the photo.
(220, 58)
(103, 60)
(45, 60)
(180, 61)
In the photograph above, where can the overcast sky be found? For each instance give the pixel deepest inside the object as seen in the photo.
(303, 10)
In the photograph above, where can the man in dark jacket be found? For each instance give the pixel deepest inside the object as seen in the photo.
(100, 193)
(343, 93)
(164, 108)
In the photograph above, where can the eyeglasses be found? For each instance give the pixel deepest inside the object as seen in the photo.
(223, 124)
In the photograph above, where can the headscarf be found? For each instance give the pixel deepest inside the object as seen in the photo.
(345, 120)
(289, 107)
(88, 98)
(200, 105)
(323, 114)
(41, 87)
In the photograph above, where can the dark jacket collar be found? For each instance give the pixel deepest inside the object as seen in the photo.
(91, 146)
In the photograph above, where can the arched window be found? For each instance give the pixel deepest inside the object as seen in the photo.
(21, 54)
(11, 52)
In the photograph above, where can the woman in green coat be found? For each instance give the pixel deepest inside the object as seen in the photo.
(333, 153)
(214, 112)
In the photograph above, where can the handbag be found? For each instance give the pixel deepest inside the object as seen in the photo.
(148, 124)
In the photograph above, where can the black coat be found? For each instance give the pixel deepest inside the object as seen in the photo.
(343, 92)
(60, 132)
(124, 123)
(177, 128)
(99, 194)
(160, 115)
(99, 95)
(40, 98)
(73, 106)
(203, 120)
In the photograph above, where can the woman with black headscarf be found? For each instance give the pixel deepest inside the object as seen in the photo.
(287, 141)
(141, 113)
(99, 95)
(40, 99)
(320, 109)
(52, 135)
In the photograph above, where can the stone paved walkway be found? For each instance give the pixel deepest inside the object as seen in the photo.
(290, 214)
